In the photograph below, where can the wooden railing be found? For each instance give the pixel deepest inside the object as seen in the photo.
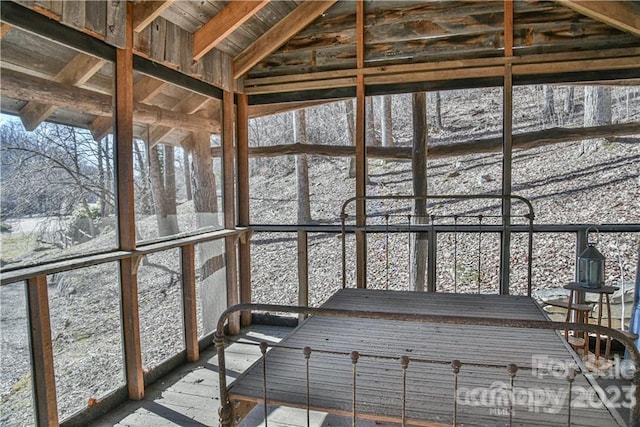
(42, 366)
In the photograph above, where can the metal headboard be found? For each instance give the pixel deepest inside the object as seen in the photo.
(361, 229)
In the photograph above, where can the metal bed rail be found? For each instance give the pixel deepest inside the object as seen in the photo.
(431, 230)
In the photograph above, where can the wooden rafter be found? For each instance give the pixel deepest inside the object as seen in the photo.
(77, 72)
(623, 15)
(449, 70)
(188, 105)
(143, 90)
(24, 87)
(293, 23)
(223, 24)
(252, 85)
(144, 12)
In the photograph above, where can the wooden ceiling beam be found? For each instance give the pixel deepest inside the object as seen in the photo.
(189, 105)
(623, 15)
(24, 87)
(224, 23)
(449, 70)
(144, 12)
(288, 27)
(77, 72)
(143, 90)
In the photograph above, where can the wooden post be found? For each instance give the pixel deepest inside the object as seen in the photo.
(44, 385)
(244, 261)
(123, 132)
(361, 153)
(507, 129)
(229, 197)
(419, 172)
(189, 306)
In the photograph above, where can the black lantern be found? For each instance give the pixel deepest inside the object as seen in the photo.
(591, 266)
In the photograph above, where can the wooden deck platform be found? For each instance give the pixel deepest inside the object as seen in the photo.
(189, 396)
(483, 382)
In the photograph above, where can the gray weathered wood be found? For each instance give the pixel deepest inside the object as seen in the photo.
(158, 38)
(73, 13)
(16, 85)
(96, 13)
(116, 23)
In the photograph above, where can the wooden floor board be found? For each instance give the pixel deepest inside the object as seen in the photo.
(429, 377)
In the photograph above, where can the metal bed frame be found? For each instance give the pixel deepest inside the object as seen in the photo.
(227, 411)
(431, 229)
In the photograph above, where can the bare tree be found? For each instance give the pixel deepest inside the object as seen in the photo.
(597, 112)
(548, 111)
(187, 174)
(437, 100)
(163, 188)
(210, 254)
(351, 126)
(302, 168)
(386, 123)
(371, 138)
(144, 205)
(569, 104)
(55, 171)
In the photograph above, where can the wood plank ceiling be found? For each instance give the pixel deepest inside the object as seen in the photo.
(272, 44)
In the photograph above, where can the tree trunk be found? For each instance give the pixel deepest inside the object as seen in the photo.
(386, 122)
(351, 120)
(187, 174)
(87, 209)
(210, 254)
(205, 198)
(302, 168)
(569, 105)
(597, 112)
(167, 220)
(548, 111)
(108, 158)
(102, 180)
(438, 102)
(370, 123)
(419, 168)
(145, 203)
(170, 184)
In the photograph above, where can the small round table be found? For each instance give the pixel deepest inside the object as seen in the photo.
(601, 291)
